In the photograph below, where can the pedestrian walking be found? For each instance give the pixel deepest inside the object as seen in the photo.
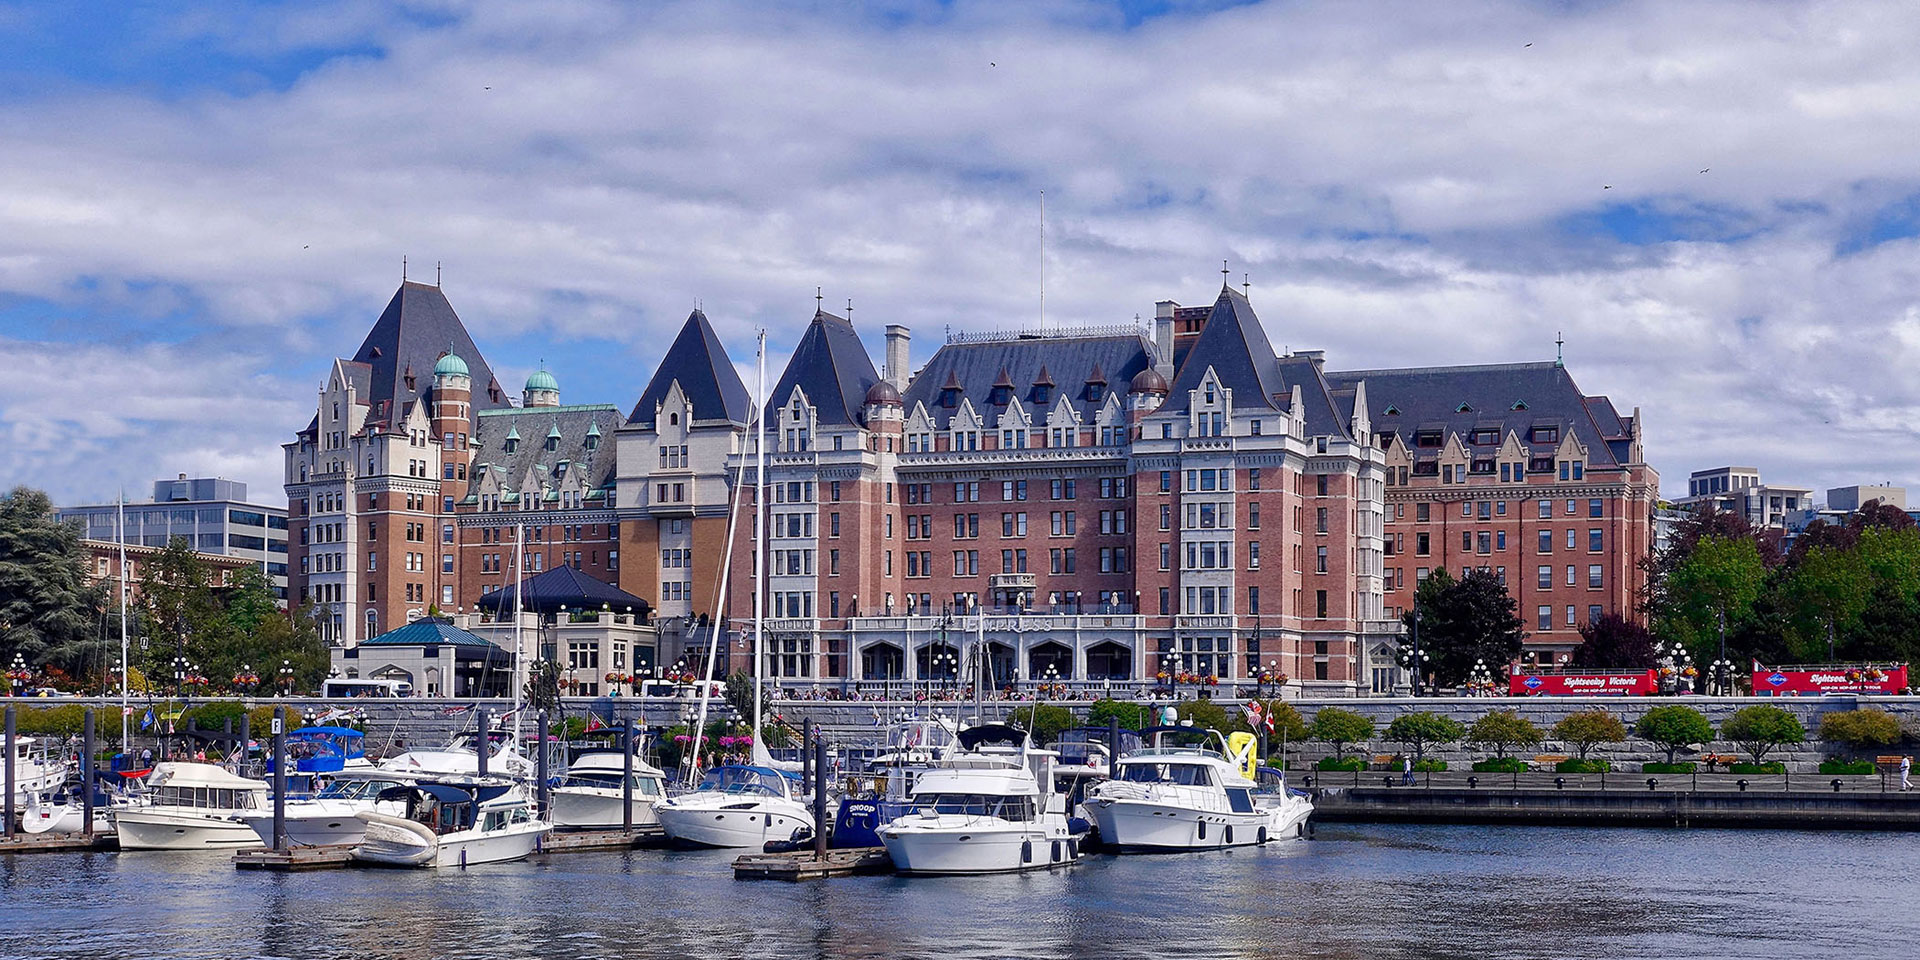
(1906, 773)
(1406, 770)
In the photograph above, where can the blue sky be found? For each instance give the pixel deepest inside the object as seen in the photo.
(1716, 203)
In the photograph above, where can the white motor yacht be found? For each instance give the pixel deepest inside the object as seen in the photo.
(37, 771)
(1201, 796)
(331, 816)
(737, 806)
(592, 792)
(986, 810)
(191, 806)
(446, 824)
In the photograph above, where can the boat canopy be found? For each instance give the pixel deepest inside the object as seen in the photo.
(179, 774)
(972, 737)
(316, 733)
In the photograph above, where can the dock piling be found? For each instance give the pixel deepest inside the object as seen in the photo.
(626, 778)
(86, 773)
(540, 767)
(280, 778)
(11, 771)
(482, 745)
(819, 797)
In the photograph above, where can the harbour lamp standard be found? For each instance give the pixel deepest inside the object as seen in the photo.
(943, 665)
(1167, 674)
(179, 676)
(18, 675)
(286, 678)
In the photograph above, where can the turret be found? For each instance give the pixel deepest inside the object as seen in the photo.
(542, 390)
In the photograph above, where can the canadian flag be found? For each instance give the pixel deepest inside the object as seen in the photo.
(593, 723)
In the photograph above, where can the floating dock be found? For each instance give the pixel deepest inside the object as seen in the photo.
(803, 865)
(59, 843)
(580, 841)
(294, 858)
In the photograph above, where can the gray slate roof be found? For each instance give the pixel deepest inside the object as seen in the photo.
(1433, 397)
(417, 327)
(1327, 413)
(1067, 359)
(562, 588)
(832, 366)
(530, 453)
(706, 376)
(1235, 345)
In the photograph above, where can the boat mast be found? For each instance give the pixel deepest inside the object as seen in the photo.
(719, 610)
(519, 643)
(759, 546)
(125, 731)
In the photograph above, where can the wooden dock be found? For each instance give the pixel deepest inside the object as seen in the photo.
(803, 865)
(59, 843)
(294, 858)
(580, 841)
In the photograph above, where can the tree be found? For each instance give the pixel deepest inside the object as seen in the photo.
(1503, 730)
(1045, 721)
(1208, 715)
(1288, 725)
(1422, 730)
(1132, 716)
(1860, 729)
(1340, 726)
(543, 687)
(1461, 622)
(1888, 629)
(49, 610)
(1673, 727)
(1586, 729)
(1758, 729)
(1722, 578)
(1614, 642)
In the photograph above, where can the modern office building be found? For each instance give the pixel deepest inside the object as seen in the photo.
(213, 514)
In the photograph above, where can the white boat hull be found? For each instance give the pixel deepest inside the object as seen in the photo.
(738, 823)
(1146, 825)
(156, 828)
(318, 823)
(592, 807)
(64, 818)
(393, 841)
(966, 845)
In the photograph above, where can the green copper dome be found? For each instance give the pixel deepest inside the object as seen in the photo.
(451, 366)
(542, 380)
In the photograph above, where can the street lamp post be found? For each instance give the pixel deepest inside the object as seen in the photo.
(286, 678)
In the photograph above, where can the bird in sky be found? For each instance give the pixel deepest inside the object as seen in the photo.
(1529, 44)
(1606, 186)
(1704, 171)
(990, 63)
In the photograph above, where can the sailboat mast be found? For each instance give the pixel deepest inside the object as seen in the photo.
(125, 731)
(719, 613)
(519, 643)
(759, 543)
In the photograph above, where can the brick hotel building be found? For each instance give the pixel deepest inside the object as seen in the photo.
(1093, 504)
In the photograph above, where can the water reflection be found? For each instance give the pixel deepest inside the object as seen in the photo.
(1396, 892)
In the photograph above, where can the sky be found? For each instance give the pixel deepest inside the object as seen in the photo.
(1716, 205)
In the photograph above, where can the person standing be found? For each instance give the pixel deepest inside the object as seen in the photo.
(1906, 773)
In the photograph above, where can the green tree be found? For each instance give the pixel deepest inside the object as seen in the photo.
(1045, 721)
(1586, 729)
(1674, 726)
(1888, 629)
(49, 610)
(1340, 726)
(1132, 716)
(1860, 729)
(1503, 730)
(1422, 730)
(1209, 715)
(1722, 577)
(543, 687)
(1461, 622)
(1758, 729)
(1288, 724)
(1613, 642)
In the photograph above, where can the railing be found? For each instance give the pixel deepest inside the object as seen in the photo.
(1613, 782)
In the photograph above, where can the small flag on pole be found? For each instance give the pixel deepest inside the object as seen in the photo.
(147, 721)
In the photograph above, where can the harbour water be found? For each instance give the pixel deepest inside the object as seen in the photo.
(1354, 891)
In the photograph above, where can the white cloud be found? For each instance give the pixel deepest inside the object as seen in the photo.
(1399, 179)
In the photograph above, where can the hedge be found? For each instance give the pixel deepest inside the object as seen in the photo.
(1429, 766)
(1342, 763)
(1771, 766)
(1577, 765)
(1848, 767)
(1500, 765)
(1685, 766)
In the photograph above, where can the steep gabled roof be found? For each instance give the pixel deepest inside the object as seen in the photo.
(1235, 345)
(530, 461)
(700, 364)
(416, 328)
(1509, 397)
(972, 366)
(1328, 412)
(831, 365)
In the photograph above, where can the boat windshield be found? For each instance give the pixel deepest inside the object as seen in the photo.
(1018, 809)
(747, 780)
(1184, 774)
(920, 734)
(610, 780)
(356, 789)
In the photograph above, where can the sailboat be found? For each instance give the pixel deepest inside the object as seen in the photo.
(741, 805)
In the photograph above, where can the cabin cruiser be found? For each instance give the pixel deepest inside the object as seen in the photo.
(596, 786)
(325, 749)
(1198, 796)
(986, 810)
(36, 770)
(737, 806)
(883, 792)
(331, 816)
(460, 758)
(451, 824)
(191, 806)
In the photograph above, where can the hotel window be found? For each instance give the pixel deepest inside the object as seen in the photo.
(1253, 555)
(1570, 575)
(1421, 544)
(1594, 576)
(1570, 620)
(1596, 540)
(1253, 516)
(1546, 509)
(1320, 603)
(1593, 613)
(1546, 578)
(1546, 541)
(1595, 508)
(1571, 534)
(1320, 485)
(1320, 560)
(1320, 520)
(1422, 512)
(1545, 614)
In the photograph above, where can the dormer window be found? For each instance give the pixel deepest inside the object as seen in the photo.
(1464, 407)
(1391, 411)
(1043, 393)
(1001, 396)
(1095, 391)
(950, 397)
(593, 441)
(1209, 393)
(1427, 438)
(513, 443)
(1544, 435)
(1518, 405)
(1485, 437)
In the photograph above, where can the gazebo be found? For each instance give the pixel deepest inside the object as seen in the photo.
(598, 634)
(564, 589)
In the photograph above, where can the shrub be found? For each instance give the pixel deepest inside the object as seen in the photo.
(1342, 763)
(1771, 766)
(1686, 767)
(62, 721)
(1339, 726)
(1578, 765)
(1500, 765)
(1132, 716)
(1860, 729)
(1422, 730)
(1429, 766)
(1848, 767)
(1674, 726)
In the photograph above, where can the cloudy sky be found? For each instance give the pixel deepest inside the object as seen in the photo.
(200, 204)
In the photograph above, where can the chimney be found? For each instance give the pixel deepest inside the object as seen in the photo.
(1163, 338)
(896, 359)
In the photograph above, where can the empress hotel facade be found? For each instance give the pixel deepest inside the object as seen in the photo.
(1095, 505)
